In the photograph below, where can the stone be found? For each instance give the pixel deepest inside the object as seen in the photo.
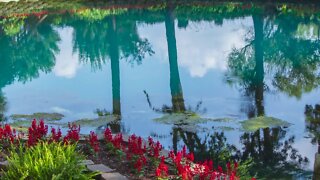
(113, 176)
(86, 162)
(100, 167)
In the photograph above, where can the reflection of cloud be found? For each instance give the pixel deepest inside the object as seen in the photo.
(60, 110)
(67, 63)
(202, 45)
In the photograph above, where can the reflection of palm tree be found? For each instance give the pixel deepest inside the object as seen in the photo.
(113, 35)
(115, 68)
(175, 84)
(264, 146)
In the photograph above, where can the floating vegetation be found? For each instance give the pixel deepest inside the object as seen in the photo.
(102, 112)
(95, 122)
(254, 124)
(187, 118)
(39, 115)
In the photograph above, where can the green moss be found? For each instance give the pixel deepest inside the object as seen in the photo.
(254, 124)
(40, 115)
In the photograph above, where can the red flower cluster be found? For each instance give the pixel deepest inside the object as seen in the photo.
(137, 152)
(162, 169)
(93, 141)
(73, 134)
(188, 169)
(154, 148)
(7, 134)
(135, 146)
(36, 132)
(108, 135)
(55, 136)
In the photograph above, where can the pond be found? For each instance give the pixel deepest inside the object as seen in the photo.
(185, 74)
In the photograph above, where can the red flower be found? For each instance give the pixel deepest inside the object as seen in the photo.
(36, 132)
(108, 135)
(73, 134)
(162, 169)
(55, 136)
(93, 140)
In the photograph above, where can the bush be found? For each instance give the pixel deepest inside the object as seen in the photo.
(46, 161)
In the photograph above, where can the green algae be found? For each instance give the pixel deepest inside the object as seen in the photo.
(254, 124)
(38, 116)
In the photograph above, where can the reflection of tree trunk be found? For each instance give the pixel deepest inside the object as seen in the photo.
(175, 84)
(259, 70)
(316, 170)
(115, 68)
(3, 107)
(175, 140)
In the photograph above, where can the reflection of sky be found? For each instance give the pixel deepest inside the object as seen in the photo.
(76, 91)
(67, 63)
(202, 46)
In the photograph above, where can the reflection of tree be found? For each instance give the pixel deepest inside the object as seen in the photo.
(313, 126)
(115, 65)
(175, 84)
(313, 123)
(3, 106)
(27, 53)
(295, 60)
(177, 99)
(272, 153)
(91, 38)
(12, 26)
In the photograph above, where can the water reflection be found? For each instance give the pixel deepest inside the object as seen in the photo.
(280, 56)
(313, 127)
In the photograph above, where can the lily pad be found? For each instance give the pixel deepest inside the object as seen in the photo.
(40, 115)
(96, 122)
(186, 118)
(254, 124)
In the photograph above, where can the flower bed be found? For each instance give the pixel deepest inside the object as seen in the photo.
(142, 158)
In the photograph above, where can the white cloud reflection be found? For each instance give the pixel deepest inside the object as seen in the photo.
(67, 63)
(202, 46)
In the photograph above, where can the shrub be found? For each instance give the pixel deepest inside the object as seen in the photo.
(46, 161)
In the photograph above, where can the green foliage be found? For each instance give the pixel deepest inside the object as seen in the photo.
(46, 161)
(98, 14)
(12, 26)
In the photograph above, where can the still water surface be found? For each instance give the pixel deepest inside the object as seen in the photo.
(148, 64)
